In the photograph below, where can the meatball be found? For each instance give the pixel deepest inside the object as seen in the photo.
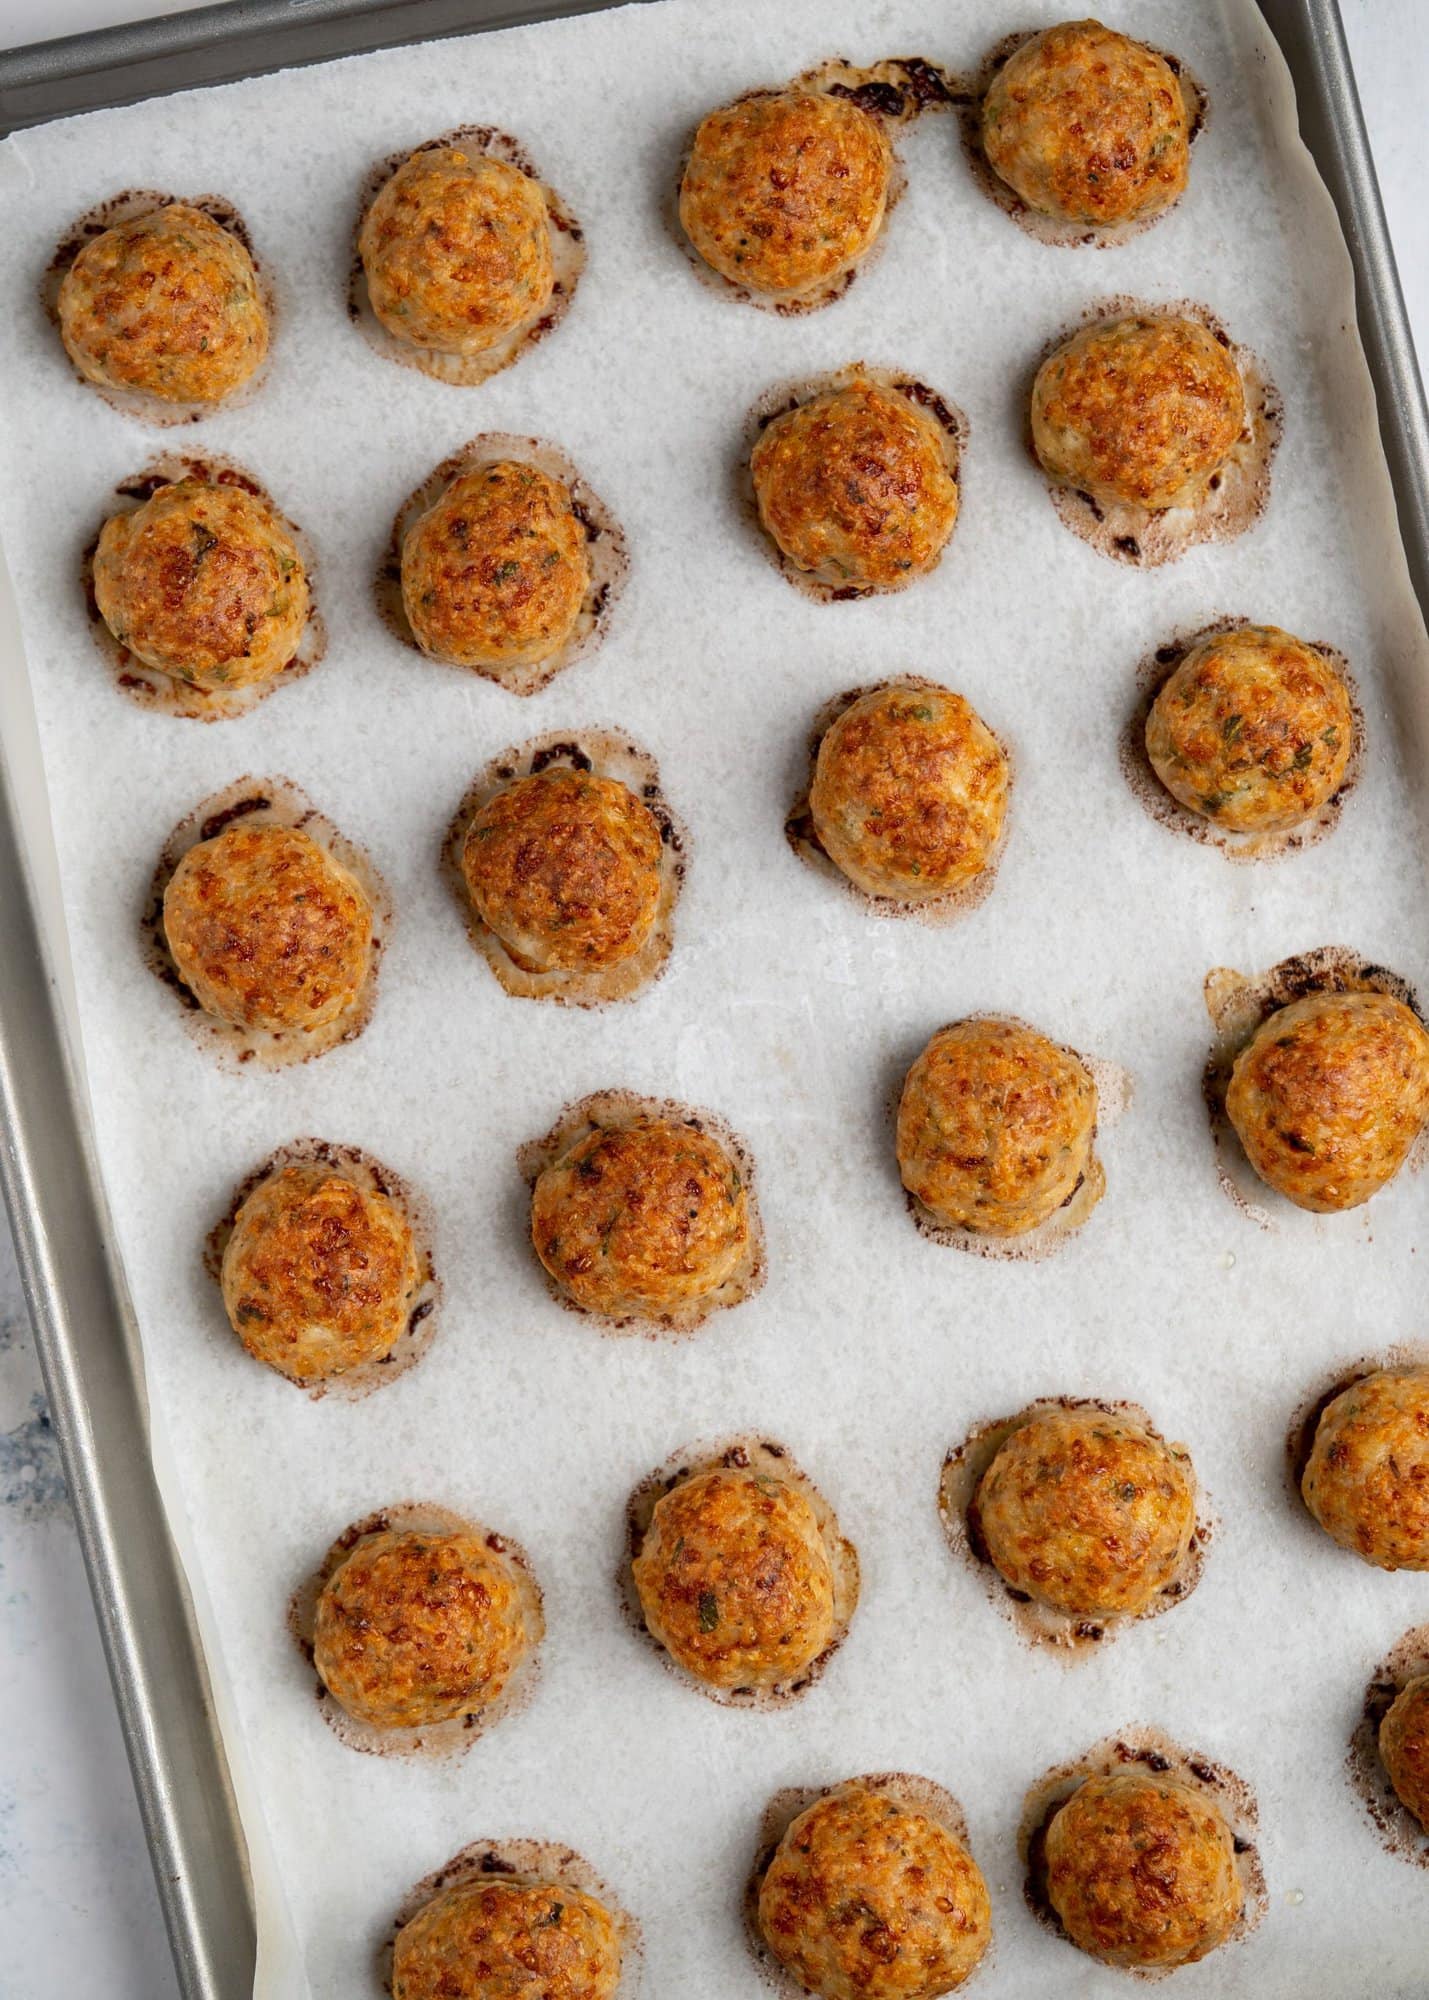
(909, 793)
(1329, 1095)
(1141, 1871)
(167, 305)
(267, 930)
(642, 1219)
(319, 1274)
(866, 1899)
(786, 190)
(203, 582)
(1367, 1477)
(854, 487)
(565, 869)
(1087, 1512)
(1253, 730)
(494, 574)
(995, 1127)
(1141, 411)
(415, 1628)
(505, 1938)
(735, 1580)
(1088, 126)
(1404, 1746)
(457, 251)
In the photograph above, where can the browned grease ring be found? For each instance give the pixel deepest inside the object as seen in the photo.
(1394, 1825)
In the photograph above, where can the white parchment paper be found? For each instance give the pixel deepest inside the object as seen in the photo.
(785, 1007)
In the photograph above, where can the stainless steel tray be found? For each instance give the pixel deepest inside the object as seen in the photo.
(84, 1325)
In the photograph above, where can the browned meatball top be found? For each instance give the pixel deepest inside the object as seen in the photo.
(1367, 1477)
(1404, 1746)
(508, 1939)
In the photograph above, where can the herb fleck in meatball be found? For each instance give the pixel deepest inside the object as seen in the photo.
(1404, 1746)
(866, 1899)
(1367, 1477)
(1141, 1871)
(1329, 1095)
(508, 1938)
(1141, 411)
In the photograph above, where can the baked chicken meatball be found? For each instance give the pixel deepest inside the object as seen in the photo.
(564, 868)
(909, 793)
(1087, 126)
(995, 1127)
(1253, 730)
(267, 930)
(866, 1899)
(414, 1628)
(735, 1580)
(786, 190)
(1088, 1512)
(1367, 1477)
(854, 487)
(1141, 411)
(507, 1938)
(319, 1274)
(205, 583)
(642, 1219)
(1329, 1096)
(1404, 1747)
(456, 250)
(494, 574)
(167, 305)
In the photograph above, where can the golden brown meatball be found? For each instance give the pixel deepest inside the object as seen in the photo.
(1404, 1746)
(415, 1628)
(786, 190)
(319, 1274)
(1253, 730)
(203, 582)
(995, 1127)
(1329, 1095)
(910, 792)
(1088, 1512)
(854, 487)
(495, 572)
(457, 251)
(167, 305)
(1088, 126)
(267, 930)
(1141, 411)
(564, 868)
(505, 1938)
(866, 1899)
(1141, 1871)
(642, 1219)
(735, 1580)
(1367, 1478)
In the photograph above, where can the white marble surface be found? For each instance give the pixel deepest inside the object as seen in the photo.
(78, 1915)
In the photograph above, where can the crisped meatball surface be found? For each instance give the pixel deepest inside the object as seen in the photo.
(1404, 1746)
(1367, 1477)
(508, 1939)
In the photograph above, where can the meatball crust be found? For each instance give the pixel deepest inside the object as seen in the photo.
(167, 305)
(319, 1274)
(1141, 1871)
(1140, 411)
(1367, 1477)
(494, 574)
(1253, 730)
(414, 1628)
(1088, 126)
(1329, 1096)
(267, 930)
(734, 1579)
(565, 869)
(1088, 1512)
(203, 582)
(1404, 1746)
(786, 190)
(909, 793)
(503, 1938)
(456, 251)
(866, 1899)
(995, 1127)
(853, 487)
(640, 1219)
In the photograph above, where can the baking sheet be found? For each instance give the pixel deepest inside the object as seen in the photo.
(786, 1009)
